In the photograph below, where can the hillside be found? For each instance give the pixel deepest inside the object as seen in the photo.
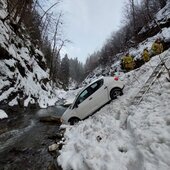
(159, 27)
(125, 134)
(132, 132)
(24, 77)
(131, 136)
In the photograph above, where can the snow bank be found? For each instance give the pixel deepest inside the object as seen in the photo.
(3, 114)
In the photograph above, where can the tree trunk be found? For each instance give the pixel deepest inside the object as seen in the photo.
(162, 3)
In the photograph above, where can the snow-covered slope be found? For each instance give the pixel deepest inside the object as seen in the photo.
(161, 20)
(24, 77)
(136, 52)
(124, 136)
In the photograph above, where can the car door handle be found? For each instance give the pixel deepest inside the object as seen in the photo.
(105, 87)
(91, 98)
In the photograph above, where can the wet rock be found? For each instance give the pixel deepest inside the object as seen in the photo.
(52, 119)
(3, 130)
(56, 136)
(52, 166)
(53, 147)
(60, 146)
(43, 143)
(62, 131)
(59, 135)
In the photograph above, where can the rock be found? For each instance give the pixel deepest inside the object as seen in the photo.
(53, 147)
(98, 138)
(59, 135)
(43, 143)
(56, 136)
(53, 119)
(60, 146)
(51, 166)
(62, 130)
(3, 130)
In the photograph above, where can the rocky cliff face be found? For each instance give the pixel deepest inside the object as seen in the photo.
(24, 77)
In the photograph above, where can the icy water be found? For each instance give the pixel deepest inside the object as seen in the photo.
(24, 140)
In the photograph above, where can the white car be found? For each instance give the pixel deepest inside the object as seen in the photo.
(93, 97)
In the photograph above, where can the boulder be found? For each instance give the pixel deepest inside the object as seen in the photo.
(52, 119)
(53, 147)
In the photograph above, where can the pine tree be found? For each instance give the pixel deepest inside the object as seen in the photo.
(64, 71)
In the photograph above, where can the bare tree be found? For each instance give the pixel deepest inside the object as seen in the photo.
(49, 9)
(133, 15)
(54, 48)
(11, 6)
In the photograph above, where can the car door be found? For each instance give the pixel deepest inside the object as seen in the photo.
(82, 104)
(99, 95)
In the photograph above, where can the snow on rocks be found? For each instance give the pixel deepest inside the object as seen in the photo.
(24, 77)
(3, 114)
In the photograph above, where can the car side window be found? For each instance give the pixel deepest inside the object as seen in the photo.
(84, 95)
(88, 91)
(95, 86)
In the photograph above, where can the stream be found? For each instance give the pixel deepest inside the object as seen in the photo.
(24, 140)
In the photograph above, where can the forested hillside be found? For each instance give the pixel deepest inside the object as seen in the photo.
(140, 21)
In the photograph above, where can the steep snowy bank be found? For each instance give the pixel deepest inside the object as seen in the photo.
(24, 77)
(121, 136)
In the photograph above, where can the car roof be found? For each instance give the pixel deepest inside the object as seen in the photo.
(90, 84)
(95, 80)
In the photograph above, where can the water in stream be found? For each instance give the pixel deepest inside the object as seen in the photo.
(24, 140)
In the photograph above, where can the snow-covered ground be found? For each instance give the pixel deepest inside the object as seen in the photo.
(3, 114)
(122, 136)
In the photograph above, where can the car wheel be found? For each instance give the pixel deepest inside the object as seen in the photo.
(114, 93)
(73, 120)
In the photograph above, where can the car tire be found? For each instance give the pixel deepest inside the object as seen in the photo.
(115, 92)
(73, 120)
